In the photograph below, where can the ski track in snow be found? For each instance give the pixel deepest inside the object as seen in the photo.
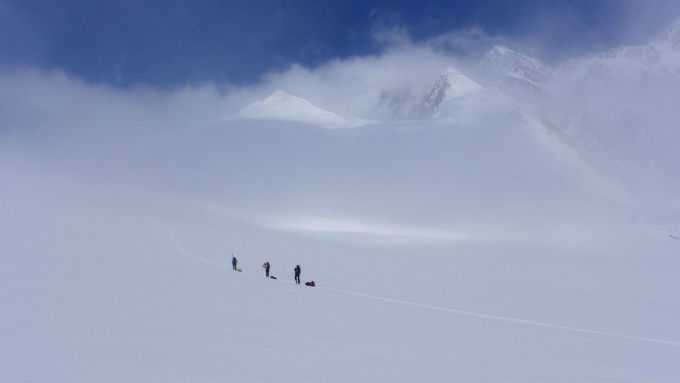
(181, 249)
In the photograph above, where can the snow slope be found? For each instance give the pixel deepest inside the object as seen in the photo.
(127, 299)
(452, 90)
(493, 272)
(507, 62)
(617, 108)
(285, 107)
(514, 73)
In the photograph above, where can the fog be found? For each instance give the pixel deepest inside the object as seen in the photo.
(494, 163)
(623, 131)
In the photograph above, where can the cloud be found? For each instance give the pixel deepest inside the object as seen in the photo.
(140, 130)
(472, 42)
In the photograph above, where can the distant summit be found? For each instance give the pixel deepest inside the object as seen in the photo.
(450, 87)
(286, 107)
(630, 64)
(670, 36)
(514, 73)
(502, 61)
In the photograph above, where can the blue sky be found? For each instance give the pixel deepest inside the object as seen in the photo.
(173, 43)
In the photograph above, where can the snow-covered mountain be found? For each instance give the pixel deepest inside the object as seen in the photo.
(619, 106)
(630, 64)
(450, 95)
(286, 107)
(507, 79)
(621, 65)
(669, 38)
(451, 91)
(515, 73)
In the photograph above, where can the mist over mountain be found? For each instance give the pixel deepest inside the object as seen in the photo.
(612, 109)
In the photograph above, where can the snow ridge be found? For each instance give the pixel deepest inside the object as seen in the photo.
(286, 107)
(503, 61)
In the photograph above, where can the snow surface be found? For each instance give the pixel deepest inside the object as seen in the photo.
(494, 276)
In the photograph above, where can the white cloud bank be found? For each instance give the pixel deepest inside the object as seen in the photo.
(504, 145)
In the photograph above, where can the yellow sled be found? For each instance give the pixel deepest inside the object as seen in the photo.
(239, 270)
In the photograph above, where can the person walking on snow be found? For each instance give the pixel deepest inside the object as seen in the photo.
(266, 267)
(297, 274)
(234, 262)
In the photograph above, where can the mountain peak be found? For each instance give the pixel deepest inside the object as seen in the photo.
(450, 86)
(280, 94)
(501, 61)
(630, 64)
(283, 106)
(457, 82)
(669, 36)
(500, 50)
